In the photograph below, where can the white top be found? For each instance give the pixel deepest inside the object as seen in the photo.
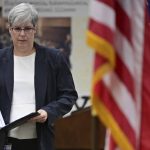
(23, 96)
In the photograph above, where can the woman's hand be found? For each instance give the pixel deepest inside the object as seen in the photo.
(40, 118)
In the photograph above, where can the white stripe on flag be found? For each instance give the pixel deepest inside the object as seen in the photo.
(122, 98)
(99, 10)
(125, 51)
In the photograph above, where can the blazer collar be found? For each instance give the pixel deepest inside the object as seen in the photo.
(8, 70)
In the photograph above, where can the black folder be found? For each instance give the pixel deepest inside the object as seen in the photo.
(4, 130)
(19, 122)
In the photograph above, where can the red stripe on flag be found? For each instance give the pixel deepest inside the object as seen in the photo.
(113, 144)
(108, 2)
(124, 75)
(101, 30)
(123, 22)
(99, 61)
(120, 69)
(104, 94)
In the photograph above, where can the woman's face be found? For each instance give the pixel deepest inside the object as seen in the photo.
(22, 35)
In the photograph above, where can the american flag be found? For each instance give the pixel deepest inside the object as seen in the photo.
(119, 33)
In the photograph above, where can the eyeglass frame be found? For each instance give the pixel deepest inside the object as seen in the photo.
(27, 30)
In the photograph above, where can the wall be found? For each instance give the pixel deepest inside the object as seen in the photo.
(82, 56)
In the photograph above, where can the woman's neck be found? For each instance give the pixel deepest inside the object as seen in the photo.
(23, 52)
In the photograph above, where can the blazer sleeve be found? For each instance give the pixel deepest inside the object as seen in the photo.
(66, 94)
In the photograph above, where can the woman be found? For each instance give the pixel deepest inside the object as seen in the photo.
(32, 78)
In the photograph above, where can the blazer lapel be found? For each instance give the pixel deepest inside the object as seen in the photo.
(8, 70)
(40, 76)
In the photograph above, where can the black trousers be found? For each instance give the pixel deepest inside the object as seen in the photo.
(23, 144)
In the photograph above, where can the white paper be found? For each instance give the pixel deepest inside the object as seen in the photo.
(2, 123)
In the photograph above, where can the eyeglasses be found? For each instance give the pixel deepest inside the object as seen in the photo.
(27, 30)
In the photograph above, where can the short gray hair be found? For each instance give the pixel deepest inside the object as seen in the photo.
(22, 14)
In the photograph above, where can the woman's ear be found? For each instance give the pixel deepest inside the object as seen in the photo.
(10, 30)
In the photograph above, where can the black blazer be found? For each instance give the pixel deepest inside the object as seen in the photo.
(54, 89)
